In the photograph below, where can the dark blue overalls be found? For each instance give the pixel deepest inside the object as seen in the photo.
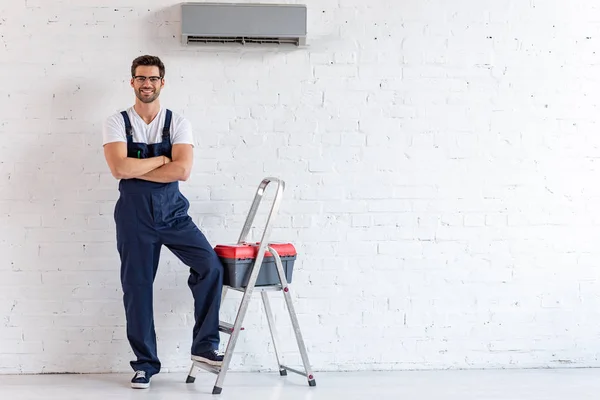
(149, 215)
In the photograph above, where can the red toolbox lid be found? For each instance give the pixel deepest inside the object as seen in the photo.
(249, 250)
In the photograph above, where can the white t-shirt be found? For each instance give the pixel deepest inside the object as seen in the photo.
(113, 129)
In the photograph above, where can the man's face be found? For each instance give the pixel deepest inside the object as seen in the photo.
(147, 83)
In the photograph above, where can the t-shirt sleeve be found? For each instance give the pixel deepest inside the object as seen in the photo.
(182, 131)
(113, 130)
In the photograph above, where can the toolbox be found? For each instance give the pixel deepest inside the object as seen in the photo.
(237, 260)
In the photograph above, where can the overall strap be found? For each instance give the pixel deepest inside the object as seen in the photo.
(127, 123)
(167, 127)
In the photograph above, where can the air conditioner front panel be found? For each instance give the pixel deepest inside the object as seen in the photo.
(243, 20)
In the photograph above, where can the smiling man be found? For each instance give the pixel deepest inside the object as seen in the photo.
(150, 149)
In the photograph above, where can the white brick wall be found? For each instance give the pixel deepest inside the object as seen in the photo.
(440, 160)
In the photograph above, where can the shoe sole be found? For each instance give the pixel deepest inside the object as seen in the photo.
(140, 385)
(207, 361)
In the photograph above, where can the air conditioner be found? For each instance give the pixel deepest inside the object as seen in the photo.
(243, 23)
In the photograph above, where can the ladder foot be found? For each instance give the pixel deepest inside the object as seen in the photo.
(190, 379)
(283, 372)
(217, 390)
(312, 383)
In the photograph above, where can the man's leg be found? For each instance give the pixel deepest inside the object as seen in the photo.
(186, 241)
(139, 251)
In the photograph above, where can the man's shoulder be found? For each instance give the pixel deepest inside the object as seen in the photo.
(181, 129)
(113, 129)
(176, 116)
(179, 122)
(117, 117)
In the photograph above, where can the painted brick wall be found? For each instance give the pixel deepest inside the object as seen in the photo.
(441, 167)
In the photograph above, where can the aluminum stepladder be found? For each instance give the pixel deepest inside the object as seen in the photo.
(235, 329)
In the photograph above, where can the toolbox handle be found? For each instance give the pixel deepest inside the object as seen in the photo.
(254, 208)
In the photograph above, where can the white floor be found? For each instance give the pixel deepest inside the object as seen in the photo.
(576, 384)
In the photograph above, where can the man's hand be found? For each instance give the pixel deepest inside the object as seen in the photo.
(178, 169)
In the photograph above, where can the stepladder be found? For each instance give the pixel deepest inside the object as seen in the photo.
(248, 285)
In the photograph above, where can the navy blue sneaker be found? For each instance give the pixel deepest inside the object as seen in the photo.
(140, 380)
(211, 357)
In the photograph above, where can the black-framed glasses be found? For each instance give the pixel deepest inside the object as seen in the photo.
(142, 79)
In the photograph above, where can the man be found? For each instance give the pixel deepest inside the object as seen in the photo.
(150, 149)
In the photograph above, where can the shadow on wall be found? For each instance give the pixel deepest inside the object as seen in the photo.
(67, 295)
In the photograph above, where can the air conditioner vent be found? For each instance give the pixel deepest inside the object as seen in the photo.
(242, 40)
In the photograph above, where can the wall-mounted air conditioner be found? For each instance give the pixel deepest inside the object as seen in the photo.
(243, 23)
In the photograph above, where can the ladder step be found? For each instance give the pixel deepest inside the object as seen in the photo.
(271, 288)
(294, 370)
(210, 368)
(226, 327)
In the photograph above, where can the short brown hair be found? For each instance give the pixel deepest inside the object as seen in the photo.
(147, 60)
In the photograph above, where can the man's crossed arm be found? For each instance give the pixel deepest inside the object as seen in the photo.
(155, 169)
